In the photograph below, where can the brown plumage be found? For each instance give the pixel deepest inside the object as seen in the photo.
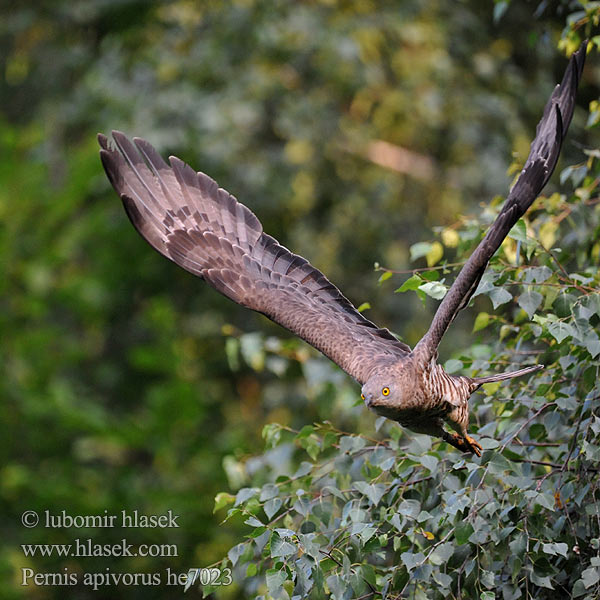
(186, 217)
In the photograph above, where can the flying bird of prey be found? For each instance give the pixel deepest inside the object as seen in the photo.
(186, 217)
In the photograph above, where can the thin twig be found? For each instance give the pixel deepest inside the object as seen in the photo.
(528, 443)
(544, 407)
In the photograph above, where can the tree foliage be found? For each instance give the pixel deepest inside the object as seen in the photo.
(396, 514)
(393, 514)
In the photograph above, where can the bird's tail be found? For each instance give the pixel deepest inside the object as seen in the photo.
(477, 381)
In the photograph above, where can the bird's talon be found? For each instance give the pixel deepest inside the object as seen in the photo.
(465, 443)
(474, 445)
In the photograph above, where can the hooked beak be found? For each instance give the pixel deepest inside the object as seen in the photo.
(368, 398)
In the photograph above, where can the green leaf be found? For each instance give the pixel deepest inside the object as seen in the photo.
(537, 431)
(310, 442)
(463, 532)
(487, 578)
(373, 491)
(305, 432)
(530, 301)
(271, 433)
(435, 289)
(556, 548)
(252, 348)
(435, 254)
(592, 345)
(443, 580)
(329, 439)
(281, 547)
(274, 580)
(518, 545)
(430, 275)
(423, 572)
(488, 443)
(364, 306)
(235, 553)
(222, 500)
(441, 555)
(420, 249)
(384, 276)
(519, 232)
(244, 495)
(578, 588)
(544, 582)
(411, 560)
(429, 462)
(536, 274)
(590, 577)
(352, 443)
(367, 533)
(560, 330)
(499, 296)
(412, 283)
(272, 506)
(410, 508)
(269, 490)
(304, 469)
(337, 587)
(453, 365)
(563, 303)
(481, 321)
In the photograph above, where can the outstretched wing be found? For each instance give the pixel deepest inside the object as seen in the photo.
(190, 220)
(542, 159)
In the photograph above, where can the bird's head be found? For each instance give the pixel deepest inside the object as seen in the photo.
(389, 388)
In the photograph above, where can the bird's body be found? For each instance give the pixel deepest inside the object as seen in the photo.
(186, 217)
(422, 396)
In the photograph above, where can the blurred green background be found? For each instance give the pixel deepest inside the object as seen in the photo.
(350, 128)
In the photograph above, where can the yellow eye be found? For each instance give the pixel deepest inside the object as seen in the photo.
(385, 391)
(362, 396)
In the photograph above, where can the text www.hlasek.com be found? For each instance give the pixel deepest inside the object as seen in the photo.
(87, 548)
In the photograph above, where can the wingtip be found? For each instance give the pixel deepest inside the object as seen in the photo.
(108, 159)
(581, 52)
(578, 59)
(119, 136)
(105, 141)
(146, 147)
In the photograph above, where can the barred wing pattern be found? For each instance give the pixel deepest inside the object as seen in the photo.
(186, 217)
(538, 168)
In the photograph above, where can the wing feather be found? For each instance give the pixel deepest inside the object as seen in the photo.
(186, 217)
(538, 168)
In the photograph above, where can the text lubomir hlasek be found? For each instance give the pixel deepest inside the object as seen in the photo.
(131, 519)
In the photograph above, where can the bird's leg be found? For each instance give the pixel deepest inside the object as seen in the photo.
(464, 443)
